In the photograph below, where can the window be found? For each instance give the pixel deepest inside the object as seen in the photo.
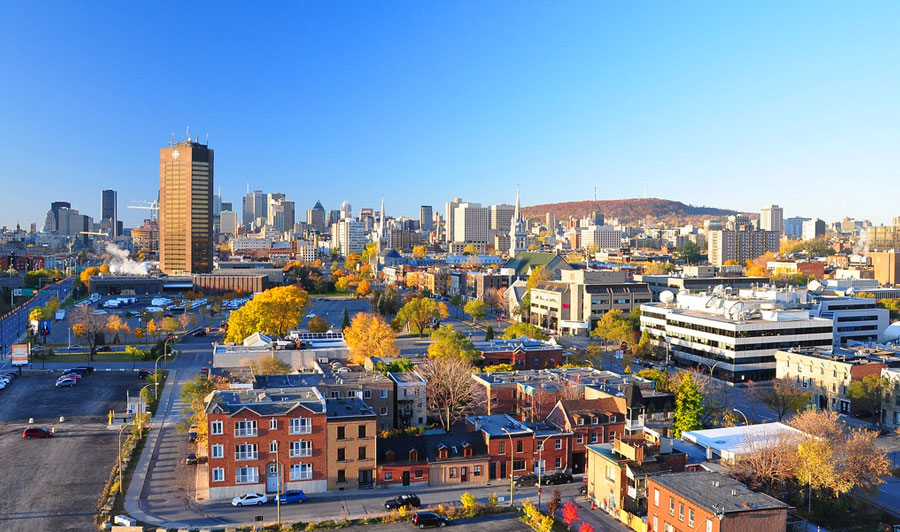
(384, 411)
(301, 448)
(341, 455)
(246, 475)
(361, 453)
(218, 475)
(594, 420)
(367, 394)
(671, 506)
(389, 476)
(502, 448)
(342, 475)
(519, 444)
(414, 456)
(593, 437)
(273, 424)
(581, 421)
(335, 394)
(420, 473)
(580, 438)
(215, 427)
(300, 425)
(341, 433)
(690, 517)
(273, 447)
(610, 476)
(558, 462)
(384, 394)
(217, 450)
(681, 511)
(245, 451)
(452, 472)
(655, 528)
(301, 471)
(670, 528)
(245, 428)
(362, 431)
(518, 465)
(708, 525)
(558, 445)
(656, 497)
(476, 470)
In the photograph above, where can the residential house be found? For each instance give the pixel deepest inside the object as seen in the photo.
(351, 432)
(411, 408)
(433, 459)
(510, 445)
(591, 421)
(521, 353)
(644, 407)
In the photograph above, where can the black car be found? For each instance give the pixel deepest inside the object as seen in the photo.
(407, 499)
(80, 371)
(557, 478)
(423, 519)
(191, 459)
(527, 480)
(144, 373)
(201, 332)
(86, 369)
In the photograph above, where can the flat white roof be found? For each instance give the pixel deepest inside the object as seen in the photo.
(730, 442)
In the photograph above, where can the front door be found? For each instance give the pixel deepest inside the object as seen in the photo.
(365, 478)
(577, 463)
(406, 478)
(493, 471)
(503, 470)
(464, 474)
(272, 477)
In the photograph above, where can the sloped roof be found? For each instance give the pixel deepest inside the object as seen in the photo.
(428, 446)
(526, 261)
(257, 339)
(603, 408)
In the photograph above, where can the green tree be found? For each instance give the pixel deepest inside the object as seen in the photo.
(447, 342)
(456, 300)
(489, 333)
(869, 393)
(689, 252)
(688, 407)
(401, 365)
(346, 321)
(418, 312)
(476, 309)
(784, 398)
(519, 329)
(661, 379)
(613, 327)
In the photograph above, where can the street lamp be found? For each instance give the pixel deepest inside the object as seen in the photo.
(124, 425)
(278, 486)
(541, 468)
(156, 377)
(512, 453)
(165, 348)
(747, 421)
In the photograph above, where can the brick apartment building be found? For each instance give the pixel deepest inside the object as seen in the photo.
(510, 445)
(453, 458)
(351, 444)
(255, 439)
(522, 353)
(710, 502)
(590, 421)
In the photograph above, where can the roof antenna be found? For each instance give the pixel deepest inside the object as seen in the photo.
(189, 133)
(172, 140)
(207, 139)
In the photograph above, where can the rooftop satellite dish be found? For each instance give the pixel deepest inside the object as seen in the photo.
(667, 296)
(850, 291)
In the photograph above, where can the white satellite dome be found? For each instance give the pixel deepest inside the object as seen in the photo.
(666, 296)
(892, 333)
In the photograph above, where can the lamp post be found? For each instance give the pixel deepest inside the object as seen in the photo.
(747, 421)
(165, 349)
(512, 453)
(121, 488)
(541, 469)
(278, 486)
(155, 377)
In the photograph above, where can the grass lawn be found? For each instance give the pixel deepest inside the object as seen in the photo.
(333, 295)
(86, 357)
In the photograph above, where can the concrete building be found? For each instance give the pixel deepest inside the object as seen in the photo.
(350, 447)
(771, 218)
(887, 266)
(185, 208)
(426, 219)
(348, 236)
(599, 237)
(794, 226)
(855, 319)
(109, 210)
(315, 217)
(687, 502)
(827, 374)
(812, 229)
(730, 444)
(739, 241)
(254, 207)
(258, 440)
(693, 283)
(450, 219)
(883, 237)
(228, 223)
(471, 224)
(735, 337)
(574, 304)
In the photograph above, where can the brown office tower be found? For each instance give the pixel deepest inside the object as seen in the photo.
(185, 208)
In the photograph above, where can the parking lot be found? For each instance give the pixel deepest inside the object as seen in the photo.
(55, 483)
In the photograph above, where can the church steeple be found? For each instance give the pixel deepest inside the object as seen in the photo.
(517, 229)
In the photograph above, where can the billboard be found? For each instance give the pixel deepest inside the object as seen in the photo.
(20, 354)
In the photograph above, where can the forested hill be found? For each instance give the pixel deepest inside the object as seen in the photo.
(629, 210)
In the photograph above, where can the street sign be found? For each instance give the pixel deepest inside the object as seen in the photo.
(20, 354)
(23, 292)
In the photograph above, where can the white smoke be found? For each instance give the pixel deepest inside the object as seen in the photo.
(121, 263)
(861, 246)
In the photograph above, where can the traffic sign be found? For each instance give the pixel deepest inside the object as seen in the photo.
(23, 292)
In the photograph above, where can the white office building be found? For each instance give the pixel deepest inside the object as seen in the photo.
(348, 236)
(855, 319)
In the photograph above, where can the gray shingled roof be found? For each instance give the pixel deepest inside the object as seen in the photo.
(717, 493)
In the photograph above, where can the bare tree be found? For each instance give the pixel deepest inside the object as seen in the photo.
(784, 397)
(88, 326)
(451, 391)
(768, 462)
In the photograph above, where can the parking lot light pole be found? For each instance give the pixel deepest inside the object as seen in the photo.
(165, 349)
(155, 377)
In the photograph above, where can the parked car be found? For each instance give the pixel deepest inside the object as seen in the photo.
(407, 499)
(104, 349)
(527, 480)
(144, 373)
(10, 374)
(36, 432)
(191, 459)
(423, 519)
(557, 478)
(65, 383)
(249, 499)
(201, 332)
(74, 376)
(3, 384)
(85, 369)
(292, 496)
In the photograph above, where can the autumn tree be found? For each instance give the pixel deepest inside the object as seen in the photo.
(418, 312)
(470, 249)
(768, 463)
(317, 325)
(452, 393)
(88, 326)
(784, 397)
(153, 329)
(115, 325)
(267, 365)
(688, 407)
(140, 333)
(419, 252)
(364, 288)
(369, 335)
(661, 379)
(517, 330)
(184, 320)
(613, 327)
(493, 298)
(448, 343)
(273, 312)
(170, 325)
(869, 393)
(193, 395)
(476, 309)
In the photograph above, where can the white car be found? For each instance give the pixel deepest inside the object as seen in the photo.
(65, 383)
(310, 316)
(3, 384)
(249, 499)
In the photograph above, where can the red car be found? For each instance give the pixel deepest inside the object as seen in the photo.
(36, 432)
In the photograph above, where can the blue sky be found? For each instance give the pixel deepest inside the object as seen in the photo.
(724, 104)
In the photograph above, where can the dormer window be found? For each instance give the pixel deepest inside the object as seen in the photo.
(467, 451)
(594, 420)
(580, 421)
(414, 456)
(389, 456)
(443, 453)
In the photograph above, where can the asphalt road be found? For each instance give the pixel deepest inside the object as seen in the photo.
(55, 483)
(13, 326)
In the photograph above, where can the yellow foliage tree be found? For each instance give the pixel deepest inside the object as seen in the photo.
(104, 268)
(419, 252)
(272, 312)
(419, 311)
(364, 288)
(115, 325)
(369, 336)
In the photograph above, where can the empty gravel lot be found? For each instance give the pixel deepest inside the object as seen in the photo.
(54, 483)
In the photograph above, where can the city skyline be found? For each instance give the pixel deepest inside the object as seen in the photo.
(732, 107)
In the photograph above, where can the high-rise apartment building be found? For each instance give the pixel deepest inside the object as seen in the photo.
(450, 218)
(470, 223)
(109, 210)
(551, 221)
(346, 210)
(739, 241)
(771, 218)
(185, 208)
(228, 222)
(348, 236)
(426, 218)
(501, 218)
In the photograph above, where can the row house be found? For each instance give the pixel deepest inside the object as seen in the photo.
(263, 442)
(618, 472)
(351, 444)
(522, 353)
(411, 407)
(590, 421)
(510, 445)
(710, 502)
(432, 459)
(645, 408)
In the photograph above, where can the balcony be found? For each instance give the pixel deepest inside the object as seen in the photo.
(635, 493)
(246, 456)
(245, 433)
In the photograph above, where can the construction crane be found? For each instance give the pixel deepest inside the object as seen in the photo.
(152, 206)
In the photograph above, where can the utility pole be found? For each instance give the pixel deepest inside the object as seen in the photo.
(511, 458)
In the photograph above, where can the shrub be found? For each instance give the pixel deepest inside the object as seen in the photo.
(469, 504)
